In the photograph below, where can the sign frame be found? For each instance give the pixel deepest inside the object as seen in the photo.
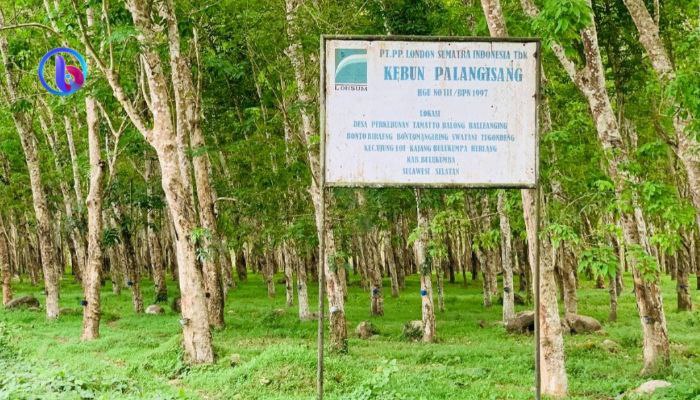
(441, 39)
(324, 186)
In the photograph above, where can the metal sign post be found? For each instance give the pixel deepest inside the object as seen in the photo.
(429, 112)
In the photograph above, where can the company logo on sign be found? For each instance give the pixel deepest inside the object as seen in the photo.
(67, 79)
(351, 69)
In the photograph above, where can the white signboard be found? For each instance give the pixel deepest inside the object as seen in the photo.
(430, 113)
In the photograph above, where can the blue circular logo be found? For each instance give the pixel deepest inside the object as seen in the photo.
(68, 79)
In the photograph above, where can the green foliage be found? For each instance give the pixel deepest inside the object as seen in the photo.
(141, 358)
(559, 233)
(339, 260)
(562, 21)
(645, 263)
(487, 240)
(600, 261)
(201, 237)
(110, 237)
(7, 350)
(426, 267)
(375, 387)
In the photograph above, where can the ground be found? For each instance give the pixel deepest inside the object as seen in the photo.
(138, 356)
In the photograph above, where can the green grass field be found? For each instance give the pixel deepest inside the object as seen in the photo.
(138, 356)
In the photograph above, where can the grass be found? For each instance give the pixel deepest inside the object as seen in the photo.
(139, 356)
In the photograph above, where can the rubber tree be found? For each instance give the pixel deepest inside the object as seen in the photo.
(591, 82)
(554, 381)
(161, 134)
(23, 123)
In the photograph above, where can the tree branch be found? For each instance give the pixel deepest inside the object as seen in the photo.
(30, 25)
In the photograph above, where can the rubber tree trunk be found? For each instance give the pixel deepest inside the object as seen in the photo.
(155, 253)
(187, 114)
(288, 263)
(425, 271)
(93, 266)
(591, 82)
(694, 250)
(77, 246)
(268, 270)
(5, 266)
(391, 262)
(376, 289)
(554, 379)
(226, 258)
(162, 136)
(687, 148)
(241, 267)
(612, 289)
(133, 268)
(440, 280)
(115, 271)
(685, 302)
(568, 282)
(302, 289)
(507, 258)
(334, 278)
(23, 123)
(373, 266)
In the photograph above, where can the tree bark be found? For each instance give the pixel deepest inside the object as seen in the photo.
(302, 289)
(591, 82)
(162, 136)
(425, 271)
(268, 273)
(187, 114)
(685, 302)
(440, 280)
(288, 273)
(155, 253)
(391, 261)
(93, 266)
(507, 258)
(334, 278)
(241, 267)
(5, 265)
(133, 268)
(554, 379)
(27, 135)
(568, 282)
(78, 246)
(687, 148)
(612, 289)
(73, 159)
